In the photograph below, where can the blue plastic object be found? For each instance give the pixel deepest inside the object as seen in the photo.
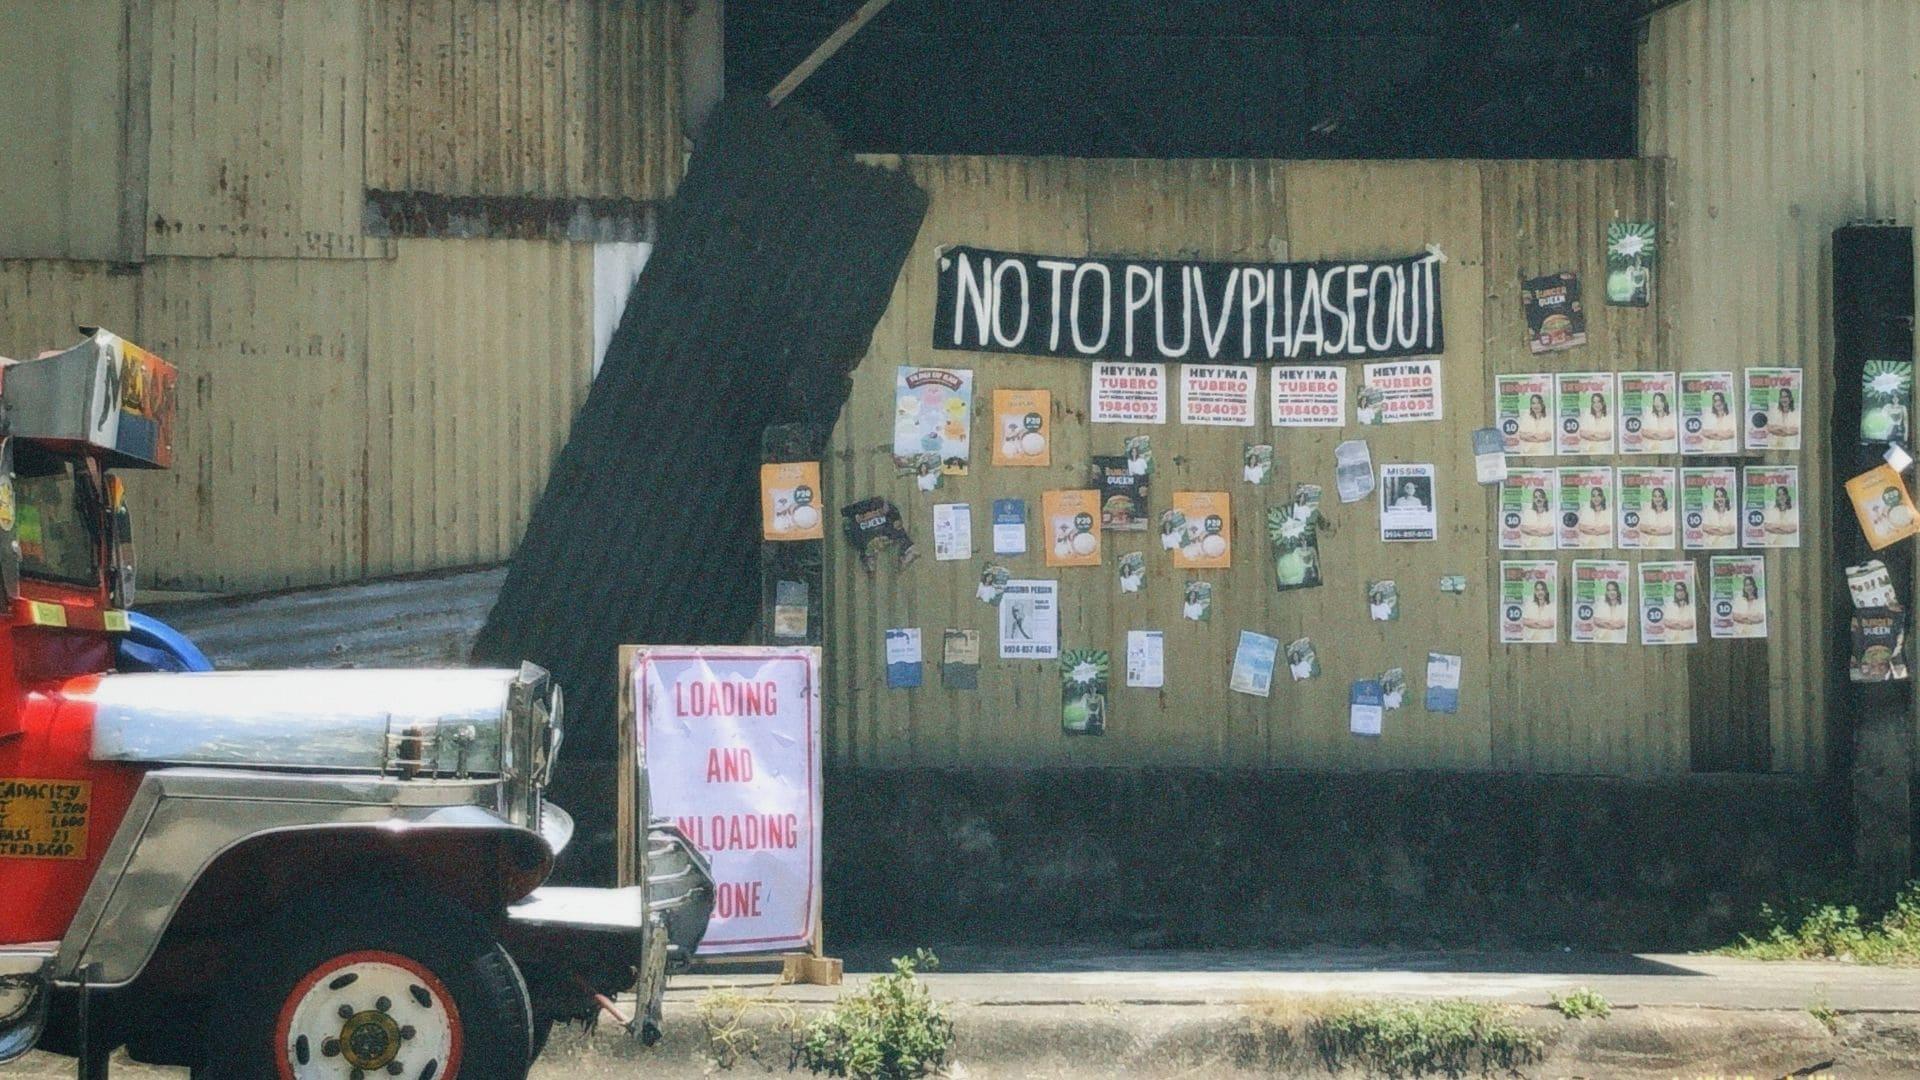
(151, 645)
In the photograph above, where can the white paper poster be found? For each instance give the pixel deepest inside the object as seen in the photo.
(1353, 470)
(1399, 392)
(1030, 621)
(1407, 503)
(1009, 527)
(1128, 393)
(952, 532)
(1146, 658)
(1219, 395)
(1308, 396)
(731, 738)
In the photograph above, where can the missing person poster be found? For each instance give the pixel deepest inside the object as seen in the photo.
(1648, 424)
(1205, 539)
(1602, 612)
(1645, 495)
(932, 418)
(1522, 413)
(1770, 515)
(1885, 509)
(1022, 425)
(1123, 494)
(1666, 604)
(1773, 408)
(1308, 396)
(790, 501)
(1737, 596)
(1129, 393)
(1586, 507)
(1708, 520)
(1529, 602)
(1030, 620)
(1707, 423)
(1408, 503)
(731, 740)
(1072, 523)
(1585, 412)
(1555, 318)
(1400, 392)
(1527, 518)
(1218, 395)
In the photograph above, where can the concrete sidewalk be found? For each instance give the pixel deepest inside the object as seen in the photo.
(1072, 1013)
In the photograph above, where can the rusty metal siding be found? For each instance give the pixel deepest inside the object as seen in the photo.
(480, 352)
(64, 178)
(1525, 708)
(43, 300)
(1784, 120)
(257, 129)
(524, 98)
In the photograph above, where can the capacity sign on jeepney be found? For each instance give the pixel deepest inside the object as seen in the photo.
(731, 737)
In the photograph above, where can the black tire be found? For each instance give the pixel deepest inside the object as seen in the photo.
(495, 1023)
(542, 1030)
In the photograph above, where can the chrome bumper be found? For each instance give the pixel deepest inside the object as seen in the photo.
(26, 972)
(679, 889)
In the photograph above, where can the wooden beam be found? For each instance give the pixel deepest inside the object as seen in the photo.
(825, 51)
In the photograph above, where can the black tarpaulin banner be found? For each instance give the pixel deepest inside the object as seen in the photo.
(1151, 309)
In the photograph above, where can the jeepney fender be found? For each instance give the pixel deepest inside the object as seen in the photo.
(182, 821)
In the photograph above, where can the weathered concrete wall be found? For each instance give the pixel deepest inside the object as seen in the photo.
(1190, 857)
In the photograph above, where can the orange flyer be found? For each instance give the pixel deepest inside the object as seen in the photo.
(1204, 520)
(1072, 523)
(1022, 432)
(790, 501)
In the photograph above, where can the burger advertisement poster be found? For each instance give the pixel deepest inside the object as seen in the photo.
(1602, 613)
(1770, 513)
(1072, 522)
(1879, 646)
(1527, 518)
(1649, 421)
(1649, 517)
(1667, 604)
(1022, 427)
(1584, 412)
(1737, 596)
(1123, 494)
(1205, 537)
(1707, 423)
(1708, 518)
(1555, 318)
(1523, 411)
(1773, 408)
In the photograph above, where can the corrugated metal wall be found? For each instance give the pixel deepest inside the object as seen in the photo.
(1568, 708)
(1785, 119)
(350, 405)
(524, 97)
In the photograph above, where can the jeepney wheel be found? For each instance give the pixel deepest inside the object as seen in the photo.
(344, 988)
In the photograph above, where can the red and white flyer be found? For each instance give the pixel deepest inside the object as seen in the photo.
(1129, 393)
(1220, 395)
(1308, 396)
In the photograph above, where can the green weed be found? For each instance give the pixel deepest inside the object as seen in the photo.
(889, 1031)
(1582, 1004)
(1809, 930)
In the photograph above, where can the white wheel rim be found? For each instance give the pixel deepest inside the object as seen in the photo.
(367, 1015)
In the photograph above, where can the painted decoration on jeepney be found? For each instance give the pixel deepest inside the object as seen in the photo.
(731, 740)
(932, 419)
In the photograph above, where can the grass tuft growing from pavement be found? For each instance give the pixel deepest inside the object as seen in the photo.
(891, 1030)
(1807, 930)
(1582, 1003)
(1411, 1038)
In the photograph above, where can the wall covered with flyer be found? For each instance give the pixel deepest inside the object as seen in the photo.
(731, 738)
